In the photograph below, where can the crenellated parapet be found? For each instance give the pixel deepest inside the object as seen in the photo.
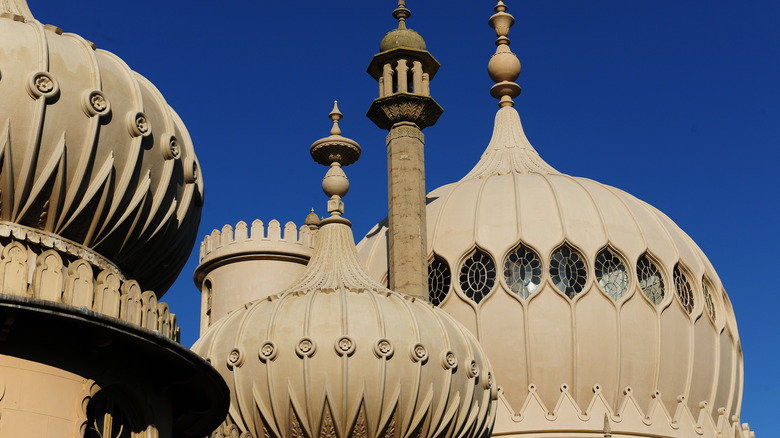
(599, 419)
(46, 272)
(258, 239)
(245, 263)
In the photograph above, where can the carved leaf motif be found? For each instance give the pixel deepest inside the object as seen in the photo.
(295, 427)
(359, 431)
(327, 430)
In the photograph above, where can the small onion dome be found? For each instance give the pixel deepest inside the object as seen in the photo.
(406, 38)
(92, 153)
(339, 355)
(402, 37)
(312, 220)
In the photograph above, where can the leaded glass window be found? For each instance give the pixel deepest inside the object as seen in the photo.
(477, 275)
(611, 274)
(650, 280)
(568, 271)
(683, 288)
(523, 271)
(708, 303)
(439, 280)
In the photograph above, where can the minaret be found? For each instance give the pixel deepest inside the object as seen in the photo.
(404, 69)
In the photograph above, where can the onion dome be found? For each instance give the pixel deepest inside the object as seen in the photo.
(312, 220)
(581, 294)
(338, 355)
(92, 155)
(402, 37)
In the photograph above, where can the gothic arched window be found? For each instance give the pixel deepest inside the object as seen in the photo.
(523, 271)
(568, 271)
(611, 274)
(477, 275)
(439, 279)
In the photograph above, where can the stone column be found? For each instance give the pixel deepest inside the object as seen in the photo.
(407, 242)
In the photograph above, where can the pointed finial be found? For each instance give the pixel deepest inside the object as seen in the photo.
(335, 116)
(504, 67)
(312, 220)
(402, 14)
(335, 151)
(607, 427)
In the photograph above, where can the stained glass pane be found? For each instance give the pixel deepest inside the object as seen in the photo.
(567, 270)
(523, 271)
(477, 275)
(650, 280)
(439, 279)
(611, 274)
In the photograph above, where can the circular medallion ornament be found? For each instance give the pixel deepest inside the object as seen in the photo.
(235, 358)
(383, 348)
(345, 345)
(41, 84)
(267, 351)
(472, 369)
(190, 168)
(138, 125)
(449, 360)
(94, 103)
(419, 353)
(306, 347)
(171, 149)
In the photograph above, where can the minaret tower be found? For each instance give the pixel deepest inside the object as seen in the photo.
(404, 69)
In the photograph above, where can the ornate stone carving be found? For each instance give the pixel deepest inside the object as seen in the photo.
(423, 111)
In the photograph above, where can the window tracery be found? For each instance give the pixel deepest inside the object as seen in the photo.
(709, 305)
(477, 275)
(523, 271)
(439, 280)
(683, 289)
(650, 280)
(568, 271)
(611, 274)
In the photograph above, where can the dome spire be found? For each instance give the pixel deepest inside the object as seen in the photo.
(504, 67)
(402, 14)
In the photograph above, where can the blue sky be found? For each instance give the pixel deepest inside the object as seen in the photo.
(677, 103)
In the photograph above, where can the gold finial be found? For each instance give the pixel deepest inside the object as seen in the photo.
(402, 14)
(504, 67)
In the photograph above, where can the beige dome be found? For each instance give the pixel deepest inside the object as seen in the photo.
(339, 355)
(406, 38)
(91, 152)
(576, 288)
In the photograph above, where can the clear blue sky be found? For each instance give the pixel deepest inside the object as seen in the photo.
(676, 102)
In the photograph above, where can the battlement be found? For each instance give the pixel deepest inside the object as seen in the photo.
(567, 418)
(258, 240)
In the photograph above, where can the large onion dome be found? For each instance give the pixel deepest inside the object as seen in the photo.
(91, 152)
(339, 355)
(581, 294)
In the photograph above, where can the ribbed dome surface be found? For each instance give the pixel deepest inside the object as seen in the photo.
(339, 355)
(590, 286)
(91, 152)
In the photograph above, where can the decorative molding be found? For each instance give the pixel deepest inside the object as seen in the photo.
(274, 239)
(404, 107)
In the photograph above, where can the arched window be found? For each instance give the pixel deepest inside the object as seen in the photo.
(568, 271)
(611, 274)
(683, 288)
(439, 280)
(477, 275)
(523, 271)
(208, 293)
(709, 304)
(650, 279)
